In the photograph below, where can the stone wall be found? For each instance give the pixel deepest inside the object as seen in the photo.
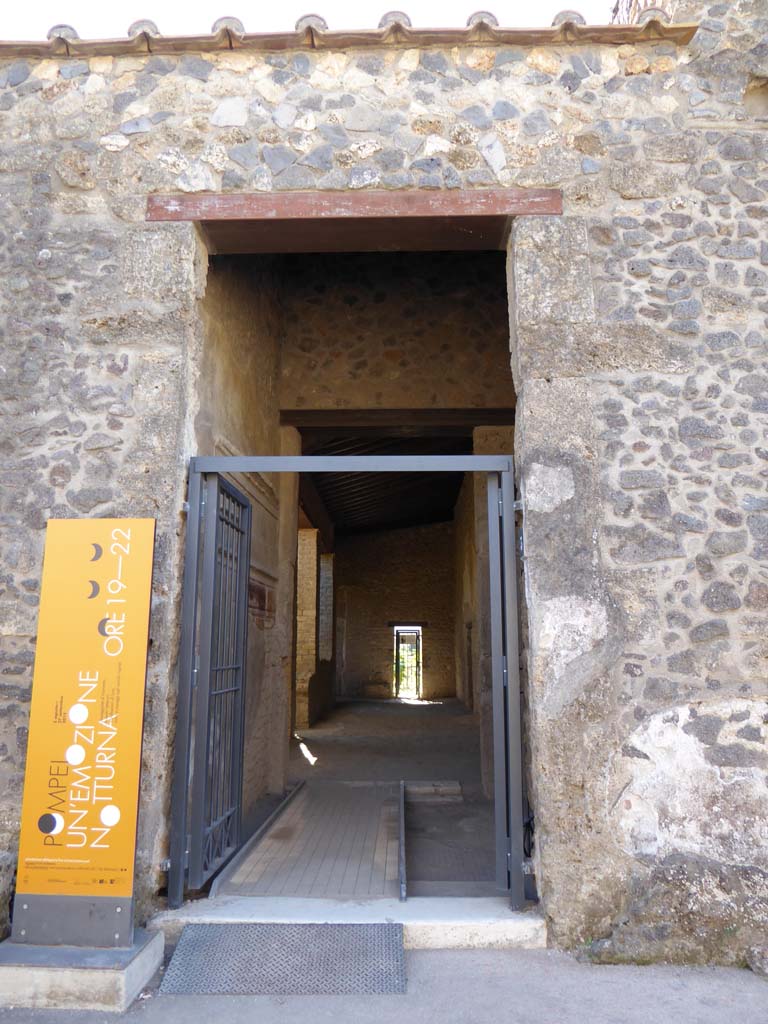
(393, 331)
(97, 393)
(639, 355)
(394, 576)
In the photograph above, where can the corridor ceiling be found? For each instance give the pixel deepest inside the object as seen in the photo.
(361, 502)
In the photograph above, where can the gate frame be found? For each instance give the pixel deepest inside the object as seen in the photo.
(502, 562)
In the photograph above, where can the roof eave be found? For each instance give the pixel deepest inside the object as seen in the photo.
(398, 35)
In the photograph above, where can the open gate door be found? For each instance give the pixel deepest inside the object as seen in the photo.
(507, 745)
(207, 786)
(206, 795)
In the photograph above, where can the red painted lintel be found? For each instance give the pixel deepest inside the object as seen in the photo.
(212, 207)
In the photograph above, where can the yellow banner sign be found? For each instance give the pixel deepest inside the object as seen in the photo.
(81, 787)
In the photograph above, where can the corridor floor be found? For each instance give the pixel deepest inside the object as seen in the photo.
(334, 840)
(384, 741)
(338, 837)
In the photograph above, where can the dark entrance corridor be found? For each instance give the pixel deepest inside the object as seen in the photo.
(381, 567)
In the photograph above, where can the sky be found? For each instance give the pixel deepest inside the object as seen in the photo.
(95, 19)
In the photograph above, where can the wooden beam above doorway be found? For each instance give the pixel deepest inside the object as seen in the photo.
(397, 422)
(365, 221)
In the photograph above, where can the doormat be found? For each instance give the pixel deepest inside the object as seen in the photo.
(287, 960)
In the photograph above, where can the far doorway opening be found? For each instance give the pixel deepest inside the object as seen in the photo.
(407, 659)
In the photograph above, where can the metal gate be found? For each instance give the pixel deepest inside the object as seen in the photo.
(207, 792)
(205, 819)
(507, 739)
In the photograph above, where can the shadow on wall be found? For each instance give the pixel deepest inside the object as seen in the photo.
(318, 698)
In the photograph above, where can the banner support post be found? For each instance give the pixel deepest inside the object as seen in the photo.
(73, 909)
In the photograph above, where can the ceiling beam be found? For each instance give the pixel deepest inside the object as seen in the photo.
(396, 421)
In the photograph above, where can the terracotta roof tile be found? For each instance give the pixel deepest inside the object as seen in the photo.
(309, 36)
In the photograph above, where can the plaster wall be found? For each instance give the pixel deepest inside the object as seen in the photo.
(238, 414)
(394, 576)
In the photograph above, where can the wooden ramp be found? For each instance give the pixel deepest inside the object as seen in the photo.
(334, 839)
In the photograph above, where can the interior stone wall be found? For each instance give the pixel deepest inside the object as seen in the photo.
(240, 371)
(394, 576)
(393, 331)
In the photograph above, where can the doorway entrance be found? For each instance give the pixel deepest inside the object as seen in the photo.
(206, 814)
(407, 672)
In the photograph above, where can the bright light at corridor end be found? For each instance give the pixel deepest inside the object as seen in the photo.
(306, 752)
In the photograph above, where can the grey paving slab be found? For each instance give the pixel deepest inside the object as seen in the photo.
(334, 839)
(477, 987)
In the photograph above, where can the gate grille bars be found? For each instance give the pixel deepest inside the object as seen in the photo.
(206, 793)
(207, 786)
(217, 750)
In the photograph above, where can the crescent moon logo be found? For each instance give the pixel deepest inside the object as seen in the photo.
(50, 824)
(102, 626)
(95, 588)
(98, 551)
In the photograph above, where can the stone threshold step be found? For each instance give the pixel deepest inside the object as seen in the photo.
(72, 978)
(428, 923)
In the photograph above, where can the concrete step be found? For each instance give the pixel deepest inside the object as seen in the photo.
(441, 790)
(428, 923)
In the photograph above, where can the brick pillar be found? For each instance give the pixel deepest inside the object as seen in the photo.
(307, 593)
